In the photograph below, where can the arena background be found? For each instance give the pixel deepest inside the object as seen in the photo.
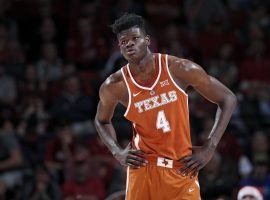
(54, 54)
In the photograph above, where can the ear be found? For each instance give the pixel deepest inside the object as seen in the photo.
(147, 39)
(119, 47)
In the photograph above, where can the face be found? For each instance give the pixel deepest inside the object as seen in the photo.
(248, 197)
(133, 44)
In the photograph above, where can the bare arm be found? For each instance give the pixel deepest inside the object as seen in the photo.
(105, 110)
(111, 93)
(214, 91)
(191, 74)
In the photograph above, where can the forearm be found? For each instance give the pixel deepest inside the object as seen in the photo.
(223, 116)
(107, 134)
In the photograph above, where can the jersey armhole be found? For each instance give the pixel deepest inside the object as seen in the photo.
(129, 93)
(175, 84)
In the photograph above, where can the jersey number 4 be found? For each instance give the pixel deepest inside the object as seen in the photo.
(162, 122)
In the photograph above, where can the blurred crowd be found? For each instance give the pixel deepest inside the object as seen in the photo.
(54, 54)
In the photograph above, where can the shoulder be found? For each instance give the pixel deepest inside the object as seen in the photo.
(113, 81)
(182, 64)
(113, 85)
(186, 70)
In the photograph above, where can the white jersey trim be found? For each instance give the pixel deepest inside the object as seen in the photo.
(129, 93)
(137, 138)
(157, 79)
(127, 182)
(197, 183)
(167, 67)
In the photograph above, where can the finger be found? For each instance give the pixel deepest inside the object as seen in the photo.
(183, 171)
(185, 159)
(194, 173)
(193, 168)
(188, 166)
(137, 152)
(137, 158)
(135, 162)
(196, 170)
(132, 166)
(200, 166)
(191, 165)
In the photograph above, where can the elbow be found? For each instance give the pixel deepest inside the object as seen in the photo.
(96, 122)
(234, 100)
(231, 101)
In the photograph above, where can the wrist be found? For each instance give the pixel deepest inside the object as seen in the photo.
(115, 151)
(212, 143)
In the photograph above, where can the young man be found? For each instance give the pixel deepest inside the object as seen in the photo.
(162, 164)
(249, 193)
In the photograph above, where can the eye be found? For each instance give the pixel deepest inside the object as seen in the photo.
(136, 38)
(123, 42)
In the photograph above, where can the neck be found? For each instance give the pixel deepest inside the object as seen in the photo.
(145, 65)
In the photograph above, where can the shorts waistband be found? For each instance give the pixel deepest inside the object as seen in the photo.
(163, 162)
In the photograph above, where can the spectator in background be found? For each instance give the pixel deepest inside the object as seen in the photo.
(259, 157)
(49, 67)
(15, 59)
(264, 102)
(223, 66)
(72, 104)
(161, 12)
(47, 33)
(11, 160)
(118, 181)
(8, 93)
(34, 110)
(259, 146)
(200, 12)
(32, 130)
(84, 183)
(176, 42)
(255, 66)
(41, 186)
(249, 193)
(32, 144)
(260, 177)
(260, 16)
(29, 84)
(123, 6)
(8, 89)
(249, 107)
(59, 150)
(4, 38)
(213, 36)
(214, 181)
(81, 47)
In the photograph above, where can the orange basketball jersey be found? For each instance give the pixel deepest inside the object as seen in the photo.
(159, 114)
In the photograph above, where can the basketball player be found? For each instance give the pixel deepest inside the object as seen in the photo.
(162, 164)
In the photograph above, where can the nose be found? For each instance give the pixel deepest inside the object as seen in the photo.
(130, 43)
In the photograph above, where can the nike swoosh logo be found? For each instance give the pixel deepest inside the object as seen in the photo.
(136, 94)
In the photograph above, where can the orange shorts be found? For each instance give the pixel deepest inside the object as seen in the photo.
(159, 180)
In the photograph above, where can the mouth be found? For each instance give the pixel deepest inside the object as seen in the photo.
(131, 52)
